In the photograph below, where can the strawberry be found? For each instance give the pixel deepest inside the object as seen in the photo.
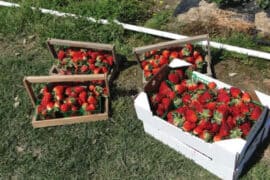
(220, 114)
(224, 130)
(191, 85)
(164, 88)
(215, 128)
(91, 87)
(70, 100)
(255, 113)
(199, 62)
(92, 100)
(198, 130)
(91, 61)
(160, 110)
(191, 116)
(50, 106)
(171, 95)
(196, 54)
(155, 71)
(246, 97)
(173, 55)
(84, 68)
(96, 70)
(156, 98)
(186, 98)
(166, 53)
(206, 135)
(58, 89)
(163, 60)
(223, 96)
(188, 126)
(190, 59)
(144, 63)
(170, 117)
(104, 69)
(231, 122)
(61, 55)
(68, 91)
(245, 128)
(239, 119)
(90, 107)
(187, 50)
(180, 73)
(166, 103)
(147, 74)
(211, 85)
(65, 108)
(244, 109)
(217, 137)
(205, 124)
(173, 77)
(78, 89)
(110, 60)
(46, 99)
(206, 114)
(74, 108)
(211, 106)
(236, 133)
(153, 52)
(235, 92)
(179, 88)
(201, 86)
(205, 97)
(83, 96)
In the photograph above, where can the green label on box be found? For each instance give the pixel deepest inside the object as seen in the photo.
(197, 78)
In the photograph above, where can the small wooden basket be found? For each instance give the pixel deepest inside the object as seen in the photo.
(51, 43)
(28, 81)
(203, 39)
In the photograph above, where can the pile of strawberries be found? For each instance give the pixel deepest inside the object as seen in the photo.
(154, 60)
(204, 110)
(82, 61)
(59, 100)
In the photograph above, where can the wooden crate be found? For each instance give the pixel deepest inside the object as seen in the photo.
(204, 39)
(28, 81)
(52, 43)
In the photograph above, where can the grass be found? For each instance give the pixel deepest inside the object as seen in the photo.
(114, 149)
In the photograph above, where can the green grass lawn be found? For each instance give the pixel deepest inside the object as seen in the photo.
(113, 149)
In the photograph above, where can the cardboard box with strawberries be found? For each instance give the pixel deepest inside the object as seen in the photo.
(194, 50)
(216, 125)
(68, 99)
(76, 57)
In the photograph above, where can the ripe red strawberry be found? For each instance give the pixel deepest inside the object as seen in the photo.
(59, 97)
(205, 97)
(155, 71)
(58, 89)
(211, 85)
(215, 128)
(231, 122)
(223, 96)
(92, 100)
(91, 87)
(92, 67)
(255, 113)
(110, 60)
(190, 59)
(179, 88)
(187, 50)
(91, 61)
(160, 110)
(74, 108)
(84, 68)
(191, 116)
(246, 97)
(96, 70)
(244, 109)
(78, 89)
(220, 114)
(206, 135)
(217, 137)
(163, 60)
(171, 95)
(164, 89)
(188, 126)
(153, 52)
(170, 117)
(166, 53)
(201, 86)
(198, 130)
(70, 100)
(104, 69)
(50, 106)
(173, 77)
(83, 96)
(90, 107)
(173, 55)
(68, 91)
(46, 99)
(224, 130)
(186, 98)
(144, 63)
(205, 124)
(147, 74)
(211, 106)
(236, 133)
(65, 108)
(245, 128)
(235, 92)
(61, 55)
(199, 62)
(166, 103)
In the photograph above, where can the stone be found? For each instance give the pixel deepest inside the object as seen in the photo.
(262, 22)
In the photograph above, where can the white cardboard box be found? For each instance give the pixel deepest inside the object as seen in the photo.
(219, 157)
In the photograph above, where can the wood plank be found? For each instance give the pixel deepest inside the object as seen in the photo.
(81, 44)
(30, 91)
(170, 44)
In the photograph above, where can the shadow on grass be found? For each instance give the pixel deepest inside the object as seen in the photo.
(216, 58)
